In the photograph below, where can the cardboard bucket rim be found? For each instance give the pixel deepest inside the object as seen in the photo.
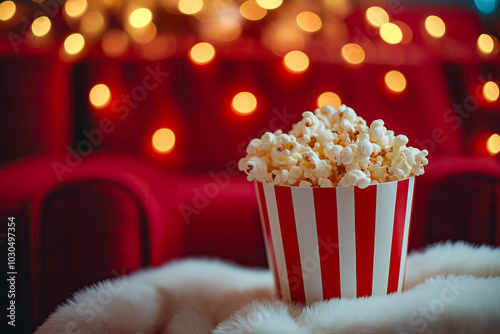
(370, 185)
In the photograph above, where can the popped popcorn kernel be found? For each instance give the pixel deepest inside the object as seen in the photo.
(365, 150)
(324, 182)
(332, 148)
(285, 152)
(355, 178)
(305, 183)
(310, 162)
(377, 131)
(295, 175)
(255, 168)
(268, 140)
(310, 124)
(332, 152)
(347, 155)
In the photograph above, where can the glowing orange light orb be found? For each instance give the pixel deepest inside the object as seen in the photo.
(244, 103)
(100, 96)
(329, 98)
(395, 81)
(296, 61)
(163, 140)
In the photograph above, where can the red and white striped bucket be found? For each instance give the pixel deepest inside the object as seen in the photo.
(327, 243)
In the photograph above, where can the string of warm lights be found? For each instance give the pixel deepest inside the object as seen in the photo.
(245, 103)
(285, 28)
(117, 25)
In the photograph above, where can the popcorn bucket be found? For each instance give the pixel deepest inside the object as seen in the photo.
(327, 243)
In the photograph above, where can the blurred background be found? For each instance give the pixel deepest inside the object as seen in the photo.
(121, 122)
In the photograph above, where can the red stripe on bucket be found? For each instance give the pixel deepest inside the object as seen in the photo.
(365, 211)
(328, 240)
(267, 231)
(290, 242)
(397, 235)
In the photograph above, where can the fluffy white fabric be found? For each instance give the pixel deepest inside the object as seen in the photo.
(449, 288)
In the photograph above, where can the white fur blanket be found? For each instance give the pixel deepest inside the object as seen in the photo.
(449, 288)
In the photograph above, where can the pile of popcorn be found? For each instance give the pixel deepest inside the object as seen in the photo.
(331, 148)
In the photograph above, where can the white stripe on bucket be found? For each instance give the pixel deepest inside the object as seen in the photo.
(409, 202)
(270, 259)
(279, 254)
(305, 220)
(384, 225)
(347, 241)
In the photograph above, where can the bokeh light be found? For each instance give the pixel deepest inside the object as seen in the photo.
(406, 30)
(140, 17)
(353, 53)
(252, 11)
(202, 53)
(376, 16)
(338, 7)
(491, 92)
(244, 103)
(143, 35)
(74, 43)
(391, 33)
(92, 23)
(190, 7)
(296, 61)
(395, 81)
(100, 96)
(112, 3)
(114, 43)
(41, 26)
(309, 21)
(269, 4)
(7, 10)
(485, 6)
(493, 143)
(329, 98)
(487, 44)
(75, 8)
(283, 37)
(163, 140)
(224, 30)
(435, 26)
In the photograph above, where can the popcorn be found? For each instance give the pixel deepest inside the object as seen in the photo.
(305, 183)
(285, 152)
(379, 134)
(378, 171)
(324, 182)
(255, 168)
(355, 178)
(332, 152)
(399, 145)
(420, 161)
(268, 140)
(310, 163)
(296, 173)
(347, 155)
(330, 148)
(274, 177)
(326, 137)
(365, 149)
(310, 124)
